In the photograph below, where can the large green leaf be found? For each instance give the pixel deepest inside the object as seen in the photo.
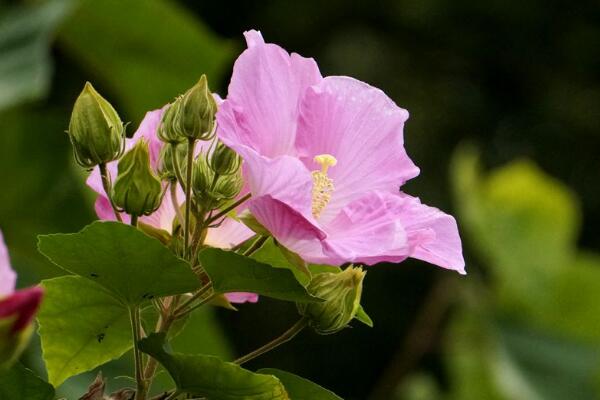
(25, 35)
(81, 326)
(231, 272)
(145, 52)
(130, 264)
(19, 383)
(299, 388)
(202, 375)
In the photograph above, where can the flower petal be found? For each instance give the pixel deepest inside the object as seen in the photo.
(8, 277)
(432, 234)
(229, 234)
(366, 231)
(22, 304)
(242, 297)
(363, 129)
(261, 109)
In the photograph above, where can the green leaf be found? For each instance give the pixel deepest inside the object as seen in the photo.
(208, 376)
(299, 388)
(81, 326)
(148, 41)
(25, 34)
(131, 265)
(272, 254)
(363, 317)
(230, 272)
(20, 383)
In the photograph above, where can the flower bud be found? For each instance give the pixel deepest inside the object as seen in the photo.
(211, 190)
(224, 161)
(16, 315)
(96, 131)
(341, 293)
(168, 131)
(137, 190)
(166, 166)
(195, 117)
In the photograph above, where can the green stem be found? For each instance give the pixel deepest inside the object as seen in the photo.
(134, 220)
(106, 185)
(285, 337)
(203, 290)
(134, 317)
(224, 212)
(177, 166)
(255, 246)
(188, 197)
(163, 325)
(175, 201)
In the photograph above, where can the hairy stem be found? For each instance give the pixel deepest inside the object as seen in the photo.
(255, 246)
(224, 212)
(134, 317)
(106, 185)
(188, 197)
(285, 337)
(175, 201)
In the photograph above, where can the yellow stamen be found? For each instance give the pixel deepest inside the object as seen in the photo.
(322, 184)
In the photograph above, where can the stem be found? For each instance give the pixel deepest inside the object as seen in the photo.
(134, 220)
(163, 325)
(255, 246)
(188, 200)
(176, 166)
(285, 337)
(106, 185)
(134, 317)
(173, 191)
(203, 290)
(229, 208)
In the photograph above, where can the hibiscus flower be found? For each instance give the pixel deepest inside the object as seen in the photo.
(324, 159)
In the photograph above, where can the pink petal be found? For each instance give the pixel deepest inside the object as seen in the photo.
(363, 129)
(22, 304)
(432, 234)
(229, 234)
(366, 231)
(148, 130)
(261, 109)
(8, 277)
(242, 297)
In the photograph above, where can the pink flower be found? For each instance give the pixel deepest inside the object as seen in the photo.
(227, 235)
(324, 159)
(18, 307)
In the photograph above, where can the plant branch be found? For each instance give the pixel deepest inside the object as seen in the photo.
(188, 199)
(134, 317)
(285, 337)
(224, 212)
(255, 246)
(106, 185)
(175, 201)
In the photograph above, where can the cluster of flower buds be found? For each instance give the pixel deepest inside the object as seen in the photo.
(341, 293)
(216, 178)
(191, 116)
(137, 190)
(96, 131)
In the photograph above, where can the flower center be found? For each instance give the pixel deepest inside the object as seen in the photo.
(322, 184)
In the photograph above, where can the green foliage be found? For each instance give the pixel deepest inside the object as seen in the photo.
(299, 388)
(230, 272)
(536, 335)
(146, 53)
(20, 383)
(133, 266)
(81, 326)
(25, 67)
(201, 375)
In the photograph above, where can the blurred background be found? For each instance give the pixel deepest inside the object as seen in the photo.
(504, 100)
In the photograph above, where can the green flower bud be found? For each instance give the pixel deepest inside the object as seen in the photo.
(137, 190)
(224, 161)
(96, 131)
(211, 190)
(341, 293)
(195, 117)
(166, 166)
(168, 131)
